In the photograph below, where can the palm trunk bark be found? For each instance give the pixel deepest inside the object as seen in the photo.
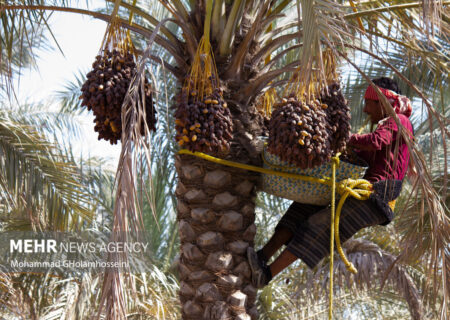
(216, 213)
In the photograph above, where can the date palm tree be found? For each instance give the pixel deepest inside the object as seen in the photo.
(258, 45)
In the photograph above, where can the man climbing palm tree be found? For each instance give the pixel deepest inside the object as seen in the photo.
(305, 228)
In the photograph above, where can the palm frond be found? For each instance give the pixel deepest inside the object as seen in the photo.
(62, 307)
(69, 97)
(433, 229)
(269, 210)
(373, 265)
(40, 183)
(275, 303)
(45, 119)
(21, 33)
(128, 219)
(161, 222)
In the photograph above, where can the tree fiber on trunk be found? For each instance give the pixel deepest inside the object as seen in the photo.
(216, 213)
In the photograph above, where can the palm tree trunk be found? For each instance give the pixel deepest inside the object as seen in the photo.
(216, 213)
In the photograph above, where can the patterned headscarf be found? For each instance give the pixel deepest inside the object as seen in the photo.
(401, 104)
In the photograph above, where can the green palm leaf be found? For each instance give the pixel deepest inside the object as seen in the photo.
(37, 181)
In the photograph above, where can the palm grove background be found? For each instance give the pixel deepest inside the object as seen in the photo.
(403, 268)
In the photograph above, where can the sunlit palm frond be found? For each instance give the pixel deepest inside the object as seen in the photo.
(161, 223)
(157, 295)
(274, 302)
(69, 97)
(16, 55)
(63, 306)
(269, 210)
(45, 118)
(322, 25)
(373, 265)
(396, 23)
(11, 301)
(99, 181)
(21, 33)
(37, 181)
(71, 294)
(423, 233)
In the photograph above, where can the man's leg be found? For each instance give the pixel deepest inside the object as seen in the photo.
(281, 236)
(282, 262)
(261, 273)
(296, 214)
(311, 240)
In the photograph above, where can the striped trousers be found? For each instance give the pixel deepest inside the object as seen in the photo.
(310, 226)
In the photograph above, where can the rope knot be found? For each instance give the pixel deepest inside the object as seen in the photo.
(336, 160)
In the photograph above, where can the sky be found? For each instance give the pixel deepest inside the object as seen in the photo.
(80, 38)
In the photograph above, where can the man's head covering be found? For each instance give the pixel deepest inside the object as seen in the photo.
(401, 104)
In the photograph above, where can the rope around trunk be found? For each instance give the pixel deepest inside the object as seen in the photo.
(360, 189)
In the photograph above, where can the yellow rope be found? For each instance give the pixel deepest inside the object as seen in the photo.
(359, 189)
(392, 204)
(345, 188)
(335, 161)
(254, 168)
